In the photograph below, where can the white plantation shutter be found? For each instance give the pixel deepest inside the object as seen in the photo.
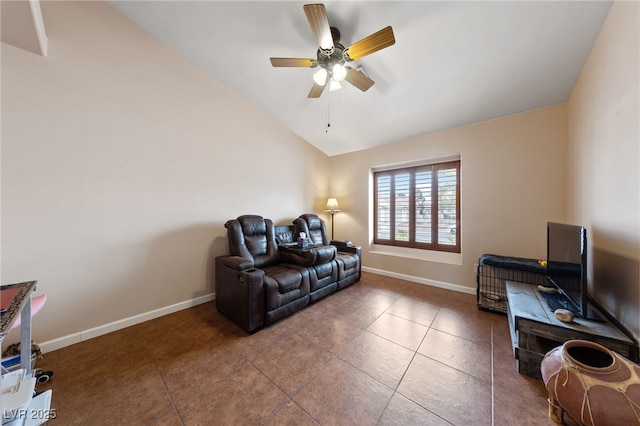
(402, 186)
(383, 207)
(447, 204)
(418, 207)
(424, 198)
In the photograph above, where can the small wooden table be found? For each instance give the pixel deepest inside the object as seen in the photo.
(535, 330)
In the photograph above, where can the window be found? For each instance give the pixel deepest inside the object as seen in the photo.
(418, 207)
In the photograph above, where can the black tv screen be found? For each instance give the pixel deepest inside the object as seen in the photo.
(567, 264)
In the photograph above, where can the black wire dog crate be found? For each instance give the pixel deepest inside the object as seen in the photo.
(493, 271)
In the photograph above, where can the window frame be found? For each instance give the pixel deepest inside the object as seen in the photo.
(434, 168)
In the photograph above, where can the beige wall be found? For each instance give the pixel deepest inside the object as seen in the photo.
(603, 178)
(512, 178)
(121, 162)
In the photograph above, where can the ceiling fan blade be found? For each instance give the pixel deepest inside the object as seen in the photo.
(293, 62)
(373, 43)
(358, 79)
(316, 91)
(317, 17)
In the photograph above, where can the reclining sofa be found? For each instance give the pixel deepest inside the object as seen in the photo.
(267, 276)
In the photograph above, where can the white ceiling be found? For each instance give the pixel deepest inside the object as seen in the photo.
(454, 63)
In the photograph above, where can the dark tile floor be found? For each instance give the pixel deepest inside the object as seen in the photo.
(383, 351)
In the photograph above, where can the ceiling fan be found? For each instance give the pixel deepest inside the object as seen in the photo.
(332, 56)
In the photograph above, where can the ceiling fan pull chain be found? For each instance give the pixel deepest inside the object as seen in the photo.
(328, 121)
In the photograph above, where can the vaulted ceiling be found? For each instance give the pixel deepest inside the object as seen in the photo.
(453, 63)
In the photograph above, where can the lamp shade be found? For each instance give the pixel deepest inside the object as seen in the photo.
(332, 205)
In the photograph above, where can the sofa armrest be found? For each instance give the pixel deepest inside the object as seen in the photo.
(240, 292)
(237, 262)
(342, 247)
(356, 250)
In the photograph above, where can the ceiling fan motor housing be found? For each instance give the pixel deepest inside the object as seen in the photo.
(327, 59)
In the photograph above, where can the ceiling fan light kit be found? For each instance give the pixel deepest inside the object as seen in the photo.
(320, 76)
(334, 85)
(332, 57)
(338, 72)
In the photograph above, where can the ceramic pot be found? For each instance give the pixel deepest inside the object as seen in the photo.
(592, 384)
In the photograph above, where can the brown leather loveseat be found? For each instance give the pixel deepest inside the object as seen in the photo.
(262, 281)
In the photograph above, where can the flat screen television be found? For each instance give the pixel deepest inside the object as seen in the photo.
(567, 269)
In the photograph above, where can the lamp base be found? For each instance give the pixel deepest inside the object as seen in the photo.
(332, 213)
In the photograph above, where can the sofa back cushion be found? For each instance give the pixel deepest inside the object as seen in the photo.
(284, 234)
(253, 237)
(314, 227)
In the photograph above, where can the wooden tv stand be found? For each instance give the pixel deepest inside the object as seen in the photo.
(535, 330)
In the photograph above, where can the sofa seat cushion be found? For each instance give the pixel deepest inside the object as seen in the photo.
(285, 283)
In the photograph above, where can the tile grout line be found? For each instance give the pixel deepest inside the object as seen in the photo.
(166, 389)
(395, 390)
(290, 398)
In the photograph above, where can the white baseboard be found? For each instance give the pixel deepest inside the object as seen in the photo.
(70, 339)
(61, 342)
(425, 281)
